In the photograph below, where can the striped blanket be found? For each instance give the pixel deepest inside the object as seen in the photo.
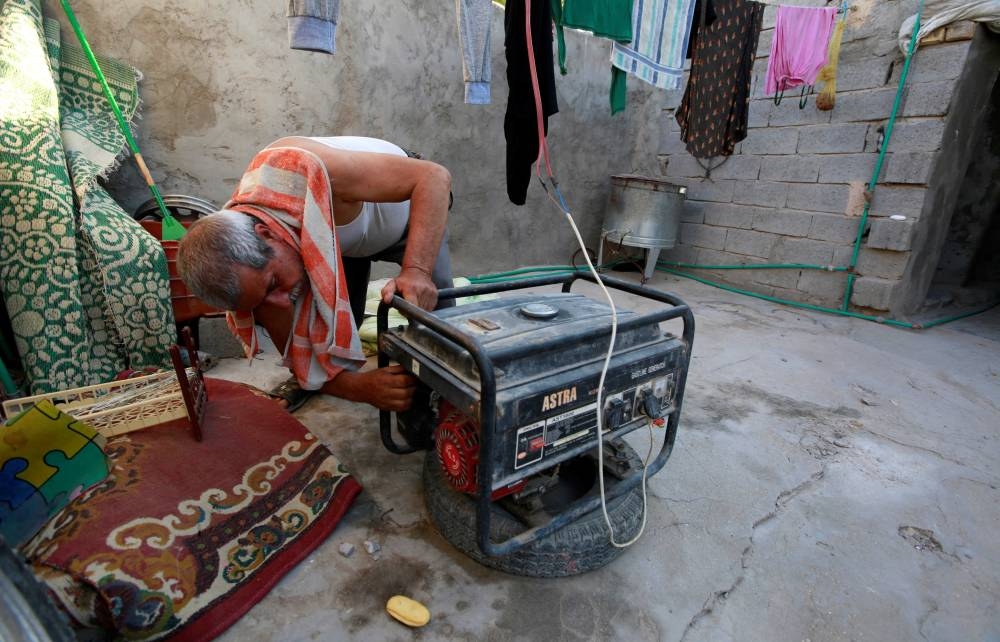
(289, 191)
(660, 30)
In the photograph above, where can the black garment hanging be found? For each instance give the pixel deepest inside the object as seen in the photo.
(713, 112)
(704, 16)
(520, 123)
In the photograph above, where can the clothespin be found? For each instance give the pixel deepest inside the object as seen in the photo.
(804, 95)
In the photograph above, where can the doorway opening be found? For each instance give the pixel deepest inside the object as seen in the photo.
(968, 270)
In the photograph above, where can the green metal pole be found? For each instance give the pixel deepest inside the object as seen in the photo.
(796, 304)
(754, 266)
(856, 315)
(849, 288)
(172, 229)
(931, 324)
(505, 276)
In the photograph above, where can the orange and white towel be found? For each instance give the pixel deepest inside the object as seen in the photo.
(288, 189)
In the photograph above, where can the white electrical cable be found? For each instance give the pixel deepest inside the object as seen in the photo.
(543, 154)
(600, 397)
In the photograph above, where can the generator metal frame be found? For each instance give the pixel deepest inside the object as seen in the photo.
(487, 393)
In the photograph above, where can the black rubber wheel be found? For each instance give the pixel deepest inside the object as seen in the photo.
(577, 548)
(26, 612)
(179, 205)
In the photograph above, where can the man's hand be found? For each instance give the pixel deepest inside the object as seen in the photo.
(389, 388)
(414, 285)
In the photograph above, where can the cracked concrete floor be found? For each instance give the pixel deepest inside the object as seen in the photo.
(833, 479)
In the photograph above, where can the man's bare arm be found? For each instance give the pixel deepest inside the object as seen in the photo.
(389, 388)
(374, 177)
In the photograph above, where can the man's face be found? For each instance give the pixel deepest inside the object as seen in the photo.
(278, 284)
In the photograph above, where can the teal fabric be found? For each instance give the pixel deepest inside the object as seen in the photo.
(560, 36)
(610, 19)
(617, 97)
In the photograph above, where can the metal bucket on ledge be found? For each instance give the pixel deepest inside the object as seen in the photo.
(643, 212)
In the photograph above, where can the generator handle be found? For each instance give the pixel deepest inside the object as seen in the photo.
(678, 309)
(681, 308)
(682, 311)
(487, 405)
(487, 378)
(503, 286)
(384, 416)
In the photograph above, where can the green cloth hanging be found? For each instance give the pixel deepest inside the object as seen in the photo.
(611, 19)
(560, 36)
(618, 93)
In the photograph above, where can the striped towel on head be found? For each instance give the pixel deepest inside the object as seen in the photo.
(660, 30)
(288, 189)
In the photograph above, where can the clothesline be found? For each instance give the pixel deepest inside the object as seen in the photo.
(775, 3)
(841, 10)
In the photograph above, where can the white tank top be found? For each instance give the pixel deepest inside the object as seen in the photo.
(378, 226)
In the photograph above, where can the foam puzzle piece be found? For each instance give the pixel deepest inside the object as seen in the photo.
(87, 468)
(17, 526)
(13, 490)
(43, 416)
(14, 438)
(46, 458)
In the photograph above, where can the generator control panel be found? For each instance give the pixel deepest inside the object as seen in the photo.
(547, 438)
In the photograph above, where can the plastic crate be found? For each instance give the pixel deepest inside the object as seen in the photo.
(117, 407)
(186, 305)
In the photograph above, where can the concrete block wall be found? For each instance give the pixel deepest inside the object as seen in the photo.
(792, 192)
(796, 187)
(211, 101)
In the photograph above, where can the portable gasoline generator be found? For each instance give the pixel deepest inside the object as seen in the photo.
(506, 407)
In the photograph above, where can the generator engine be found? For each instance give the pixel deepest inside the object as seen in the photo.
(456, 440)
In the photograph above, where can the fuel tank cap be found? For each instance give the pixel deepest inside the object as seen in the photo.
(539, 310)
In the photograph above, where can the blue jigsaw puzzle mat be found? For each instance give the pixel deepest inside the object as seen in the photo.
(46, 459)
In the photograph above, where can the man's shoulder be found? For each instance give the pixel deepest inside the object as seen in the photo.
(360, 144)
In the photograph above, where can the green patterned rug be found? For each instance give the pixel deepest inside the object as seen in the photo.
(85, 286)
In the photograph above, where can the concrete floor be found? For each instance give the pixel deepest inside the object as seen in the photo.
(833, 479)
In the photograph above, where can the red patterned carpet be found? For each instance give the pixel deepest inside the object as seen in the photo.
(184, 537)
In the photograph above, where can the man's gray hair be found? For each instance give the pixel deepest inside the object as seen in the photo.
(210, 251)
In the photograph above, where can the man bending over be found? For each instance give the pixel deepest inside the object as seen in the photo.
(271, 256)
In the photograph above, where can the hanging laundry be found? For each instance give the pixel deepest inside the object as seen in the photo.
(520, 122)
(704, 16)
(938, 13)
(713, 112)
(799, 47)
(610, 19)
(312, 25)
(474, 20)
(656, 53)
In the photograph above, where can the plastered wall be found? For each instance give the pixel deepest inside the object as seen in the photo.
(220, 82)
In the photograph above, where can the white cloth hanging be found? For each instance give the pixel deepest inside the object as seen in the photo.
(938, 13)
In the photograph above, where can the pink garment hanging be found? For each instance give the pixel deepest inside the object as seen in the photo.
(799, 47)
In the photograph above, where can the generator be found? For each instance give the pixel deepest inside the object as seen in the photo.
(506, 408)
